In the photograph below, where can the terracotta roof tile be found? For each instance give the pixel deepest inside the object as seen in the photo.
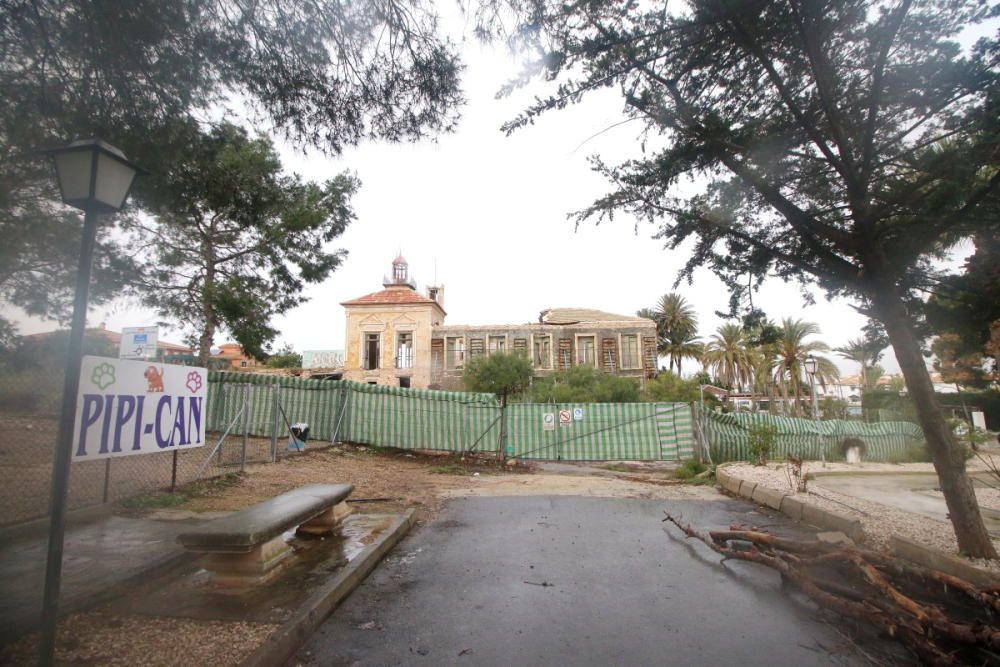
(391, 297)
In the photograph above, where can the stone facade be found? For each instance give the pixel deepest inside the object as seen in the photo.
(397, 337)
(389, 333)
(624, 347)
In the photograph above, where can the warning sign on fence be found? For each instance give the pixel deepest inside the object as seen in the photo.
(578, 414)
(548, 421)
(565, 417)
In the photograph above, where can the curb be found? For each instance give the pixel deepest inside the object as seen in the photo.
(788, 505)
(280, 646)
(947, 563)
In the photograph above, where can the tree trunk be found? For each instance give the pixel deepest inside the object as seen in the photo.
(207, 310)
(949, 460)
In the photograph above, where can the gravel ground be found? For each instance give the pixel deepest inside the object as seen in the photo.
(425, 482)
(989, 498)
(880, 522)
(99, 638)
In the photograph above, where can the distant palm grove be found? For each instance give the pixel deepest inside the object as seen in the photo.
(762, 358)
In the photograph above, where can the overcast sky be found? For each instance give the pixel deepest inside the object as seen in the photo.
(486, 215)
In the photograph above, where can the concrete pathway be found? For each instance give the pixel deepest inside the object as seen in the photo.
(546, 580)
(100, 557)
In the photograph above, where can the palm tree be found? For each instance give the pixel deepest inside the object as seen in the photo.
(864, 351)
(729, 357)
(677, 330)
(792, 348)
(680, 346)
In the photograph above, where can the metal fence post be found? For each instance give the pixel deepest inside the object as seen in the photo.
(246, 426)
(275, 407)
(340, 417)
(107, 479)
(173, 473)
(502, 455)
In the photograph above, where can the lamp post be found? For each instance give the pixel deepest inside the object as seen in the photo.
(94, 177)
(811, 367)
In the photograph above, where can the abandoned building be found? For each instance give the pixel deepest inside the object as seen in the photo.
(398, 337)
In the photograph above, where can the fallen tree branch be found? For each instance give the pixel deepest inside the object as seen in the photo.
(919, 627)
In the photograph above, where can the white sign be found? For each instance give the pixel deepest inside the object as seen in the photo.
(128, 407)
(565, 417)
(138, 343)
(578, 414)
(323, 359)
(548, 421)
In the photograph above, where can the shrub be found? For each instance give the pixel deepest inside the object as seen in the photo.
(584, 384)
(690, 468)
(505, 374)
(668, 387)
(762, 437)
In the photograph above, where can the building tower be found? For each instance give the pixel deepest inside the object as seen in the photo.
(400, 274)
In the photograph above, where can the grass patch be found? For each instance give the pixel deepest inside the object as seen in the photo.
(451, 469)
(150, 501)
(694, 471)
(690, 468)
(618, 467)
(212, 485)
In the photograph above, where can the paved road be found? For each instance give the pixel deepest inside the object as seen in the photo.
(471, 588)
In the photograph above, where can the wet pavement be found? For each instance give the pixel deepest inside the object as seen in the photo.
(99, 556)
(557, 580)
(908, 492)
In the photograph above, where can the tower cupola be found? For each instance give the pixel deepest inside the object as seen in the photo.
(400, 274)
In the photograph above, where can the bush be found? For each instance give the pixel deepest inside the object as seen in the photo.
(584, 384)
(762, 437)
(505, 374)
(668, 387)
(690, 468)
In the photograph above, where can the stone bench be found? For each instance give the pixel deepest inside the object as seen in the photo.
(247, 546)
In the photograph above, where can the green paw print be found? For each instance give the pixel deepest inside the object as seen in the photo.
(103, 376)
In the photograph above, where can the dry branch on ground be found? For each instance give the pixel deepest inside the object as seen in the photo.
(940, 618)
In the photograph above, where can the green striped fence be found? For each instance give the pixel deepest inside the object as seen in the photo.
(606, 432)
(421, 419)
(729, 440)
(449, 421)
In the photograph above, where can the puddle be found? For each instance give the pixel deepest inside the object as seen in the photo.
(189, 593)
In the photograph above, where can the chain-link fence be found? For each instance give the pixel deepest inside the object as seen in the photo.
(247, 423)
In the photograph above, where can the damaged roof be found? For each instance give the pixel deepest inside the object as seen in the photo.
(583, 315)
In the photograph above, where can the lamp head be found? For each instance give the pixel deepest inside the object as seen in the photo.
(93, 175)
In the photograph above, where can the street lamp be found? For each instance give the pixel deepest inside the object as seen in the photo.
(812, 365)
(95, 177)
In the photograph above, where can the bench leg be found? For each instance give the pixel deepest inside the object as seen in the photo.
(325, 523)
(254, 567)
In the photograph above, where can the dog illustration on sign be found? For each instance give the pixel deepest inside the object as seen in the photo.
(154, 379)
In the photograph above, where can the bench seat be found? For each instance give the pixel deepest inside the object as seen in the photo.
(247, 546)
